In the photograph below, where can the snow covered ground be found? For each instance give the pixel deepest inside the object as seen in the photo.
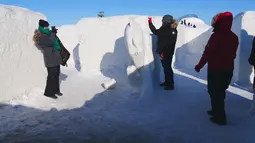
(89, 113)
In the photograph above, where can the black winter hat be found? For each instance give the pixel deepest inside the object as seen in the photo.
(43, 23)
(168, 18)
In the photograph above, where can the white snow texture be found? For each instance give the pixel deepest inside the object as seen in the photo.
(22, 67)
(244, 30)
(118, 54)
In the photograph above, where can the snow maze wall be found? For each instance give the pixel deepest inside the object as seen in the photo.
(243, 27)
(106, 46)
(21, 65)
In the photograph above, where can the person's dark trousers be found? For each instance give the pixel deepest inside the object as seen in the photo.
(218, 83)
(52, 85)
(168, 71)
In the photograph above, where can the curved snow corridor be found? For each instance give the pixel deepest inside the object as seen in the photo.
(136, 110)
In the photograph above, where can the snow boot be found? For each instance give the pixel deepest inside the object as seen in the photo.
(169, 87)
(217, 121)
(163, 84)
(52, 96)
(210, 112)
(59, 94)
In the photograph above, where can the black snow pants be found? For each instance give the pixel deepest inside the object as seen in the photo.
(168, 71)
(52, 85)
(218, 83)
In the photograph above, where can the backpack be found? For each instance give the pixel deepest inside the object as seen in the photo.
(65, 54)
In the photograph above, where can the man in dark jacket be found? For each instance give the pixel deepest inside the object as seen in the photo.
(47, 41)
(219, 53)
(252, 60)
(165, 47)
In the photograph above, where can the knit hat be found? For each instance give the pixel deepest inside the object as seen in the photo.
(168, 18)
(43, 23)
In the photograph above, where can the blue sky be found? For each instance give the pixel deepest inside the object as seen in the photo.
(61, 12)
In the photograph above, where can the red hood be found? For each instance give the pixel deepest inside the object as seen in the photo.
(223, 22)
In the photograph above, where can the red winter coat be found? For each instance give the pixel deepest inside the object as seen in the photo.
(221, 48)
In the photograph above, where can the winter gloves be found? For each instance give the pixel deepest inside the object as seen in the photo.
(149, 19)
(197, 68)
(162, 55)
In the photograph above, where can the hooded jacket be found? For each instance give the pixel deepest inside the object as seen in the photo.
(167, 36)
(52, 57)
(221, 48)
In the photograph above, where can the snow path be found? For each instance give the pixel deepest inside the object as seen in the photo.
(118, 116)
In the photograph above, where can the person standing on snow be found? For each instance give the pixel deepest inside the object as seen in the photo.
(219, 53)
(165, 47)
(252, 60)
(46, 39)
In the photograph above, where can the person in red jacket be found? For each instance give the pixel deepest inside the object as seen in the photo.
(219, 53)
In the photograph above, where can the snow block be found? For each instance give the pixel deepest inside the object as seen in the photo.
(109, 84)
(22, 66)
(152, 59)
(243, 27)
(134, 43)
(139, 45)
(102, 44)
(90, 34)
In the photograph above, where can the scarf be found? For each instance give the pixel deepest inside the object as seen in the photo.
(48, 32)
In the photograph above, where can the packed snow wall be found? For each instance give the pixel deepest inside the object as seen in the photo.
(141, 57)
(151, 59)
(22, 66)
(190, 45)
(102, 44)
(101, 39)
(243, 27)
